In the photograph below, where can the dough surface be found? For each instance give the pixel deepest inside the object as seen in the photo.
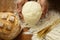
(31, 12)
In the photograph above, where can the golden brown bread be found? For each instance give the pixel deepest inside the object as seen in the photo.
(9, 25)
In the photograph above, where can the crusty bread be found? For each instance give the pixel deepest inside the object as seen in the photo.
(9, 25)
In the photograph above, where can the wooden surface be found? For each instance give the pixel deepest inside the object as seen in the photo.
(23, 36)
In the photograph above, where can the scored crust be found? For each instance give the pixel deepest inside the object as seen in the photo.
(9, 25)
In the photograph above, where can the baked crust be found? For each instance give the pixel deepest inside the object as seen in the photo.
(9, 25)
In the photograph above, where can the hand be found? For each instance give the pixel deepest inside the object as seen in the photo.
(20, 3)
(44, 6)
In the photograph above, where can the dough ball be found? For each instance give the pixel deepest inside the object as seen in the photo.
(31, 12)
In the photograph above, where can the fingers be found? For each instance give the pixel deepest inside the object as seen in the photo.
(20, 3)
(44, 7)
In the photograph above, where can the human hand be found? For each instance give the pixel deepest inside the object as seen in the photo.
(44, 6)
(20, 3)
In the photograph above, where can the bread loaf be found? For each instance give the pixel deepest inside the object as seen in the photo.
(9, 25)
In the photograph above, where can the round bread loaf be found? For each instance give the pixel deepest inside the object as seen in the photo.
(9, 25)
